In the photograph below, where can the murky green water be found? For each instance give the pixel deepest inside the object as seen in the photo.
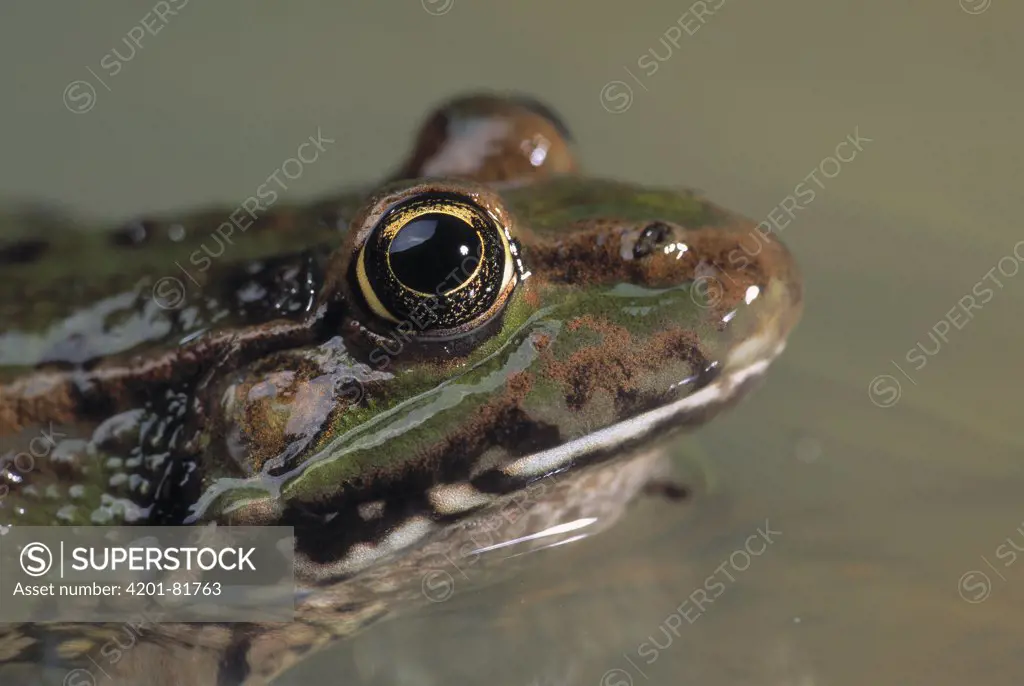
(893, 507)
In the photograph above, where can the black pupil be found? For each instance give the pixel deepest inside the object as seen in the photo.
(434, 253)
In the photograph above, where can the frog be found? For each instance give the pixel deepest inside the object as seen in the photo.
(488, 350)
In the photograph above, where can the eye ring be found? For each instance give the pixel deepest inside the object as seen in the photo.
(439, 259)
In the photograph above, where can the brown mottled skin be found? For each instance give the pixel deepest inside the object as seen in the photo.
(269, 366)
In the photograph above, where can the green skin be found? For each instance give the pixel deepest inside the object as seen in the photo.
(596, 336)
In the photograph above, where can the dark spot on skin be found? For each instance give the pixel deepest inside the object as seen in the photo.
(282, 286)
(523, 435)
(234, 665)
(88, 403)
(652, 238)
(23, 251)
(324, 541)
(495, 482)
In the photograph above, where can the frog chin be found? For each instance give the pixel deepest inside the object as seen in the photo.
(548, 513)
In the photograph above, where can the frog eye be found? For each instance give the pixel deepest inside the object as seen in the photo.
(440, 261)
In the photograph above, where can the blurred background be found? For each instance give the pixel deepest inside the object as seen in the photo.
(896, 485)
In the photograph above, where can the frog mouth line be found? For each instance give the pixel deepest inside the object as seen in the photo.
(721, 390)
(456, 499)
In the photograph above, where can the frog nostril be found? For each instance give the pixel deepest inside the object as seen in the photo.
(651, 238)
